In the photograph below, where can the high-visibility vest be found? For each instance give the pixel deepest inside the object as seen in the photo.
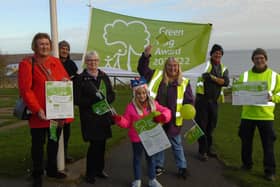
(153, 88)
(260, 111)
(200, 81)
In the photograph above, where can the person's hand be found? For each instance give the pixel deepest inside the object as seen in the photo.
(60, 122)
(41, 114)
(159, 119)
(148, 50)
(206, 76)
(117, 118)
(99, 95)
(269, 97)
(65, 79)
(213, 77)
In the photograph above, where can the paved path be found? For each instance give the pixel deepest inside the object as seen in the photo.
(15, 125)
(119, 167)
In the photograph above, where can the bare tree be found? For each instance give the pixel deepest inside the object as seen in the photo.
(2, 69)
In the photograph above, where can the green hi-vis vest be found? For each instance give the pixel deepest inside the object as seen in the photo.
(260, 111)
(153, 88)
(200, 81)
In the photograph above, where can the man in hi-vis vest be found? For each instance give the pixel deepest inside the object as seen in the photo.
(260, 116)
(172, 90)
(208, 92)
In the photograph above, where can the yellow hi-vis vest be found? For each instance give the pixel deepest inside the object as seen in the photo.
(200, 81)
(260, 111)
(153, 88)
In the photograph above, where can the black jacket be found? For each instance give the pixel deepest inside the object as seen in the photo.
(71, 68)
(212, 89)
(93, 126)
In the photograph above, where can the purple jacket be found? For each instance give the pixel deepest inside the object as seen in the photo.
(144, 70)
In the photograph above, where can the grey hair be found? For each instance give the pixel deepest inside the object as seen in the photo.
(90, 54)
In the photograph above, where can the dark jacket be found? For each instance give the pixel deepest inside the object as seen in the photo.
(169, 92)
(212, 90)
(71, 68)
(93, 126)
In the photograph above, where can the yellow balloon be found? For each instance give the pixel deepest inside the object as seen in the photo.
(188, 111)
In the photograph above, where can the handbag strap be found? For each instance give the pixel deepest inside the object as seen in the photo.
(32, 63)
(46, 72)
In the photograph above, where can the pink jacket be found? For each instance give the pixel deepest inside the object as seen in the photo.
(130, 116)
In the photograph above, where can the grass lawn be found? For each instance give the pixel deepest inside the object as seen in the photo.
(15, 144)
(228, 145)
(8, 97)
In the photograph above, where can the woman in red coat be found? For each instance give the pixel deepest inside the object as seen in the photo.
(33, 72)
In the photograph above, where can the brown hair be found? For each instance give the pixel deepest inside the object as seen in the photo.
(64, 43)
(166, 79)
(259, 51)
(38, 36)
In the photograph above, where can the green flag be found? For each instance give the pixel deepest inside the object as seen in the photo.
(193, 134)
(146, 123)
(53, 130)
(120, 40)
(101, 107)
(162, 38)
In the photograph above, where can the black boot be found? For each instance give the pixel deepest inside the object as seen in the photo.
(37, 182)
(183, 172)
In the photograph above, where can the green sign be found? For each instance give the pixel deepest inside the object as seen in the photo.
(146, 123)
(249, 93)
(249, 86)
(193, 134)
(120, 40)
(101, 107)
(53, 130)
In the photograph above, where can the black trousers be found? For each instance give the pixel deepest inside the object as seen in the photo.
(95, 157)
(38, 140)
(268, 137)
(206, 117)
(66, 134)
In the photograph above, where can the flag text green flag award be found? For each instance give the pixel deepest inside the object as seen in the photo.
(120, 40)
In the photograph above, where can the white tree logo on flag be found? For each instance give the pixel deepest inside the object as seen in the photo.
(128, 46)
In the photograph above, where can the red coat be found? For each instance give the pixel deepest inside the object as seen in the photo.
(32, 90)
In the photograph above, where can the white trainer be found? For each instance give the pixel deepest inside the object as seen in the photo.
(136, 183)
(154, 183)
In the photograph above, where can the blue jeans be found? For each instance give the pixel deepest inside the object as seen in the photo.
(137, 157)
(178, 152)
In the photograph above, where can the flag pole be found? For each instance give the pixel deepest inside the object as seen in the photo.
(54, 32)
(54, 37)
(89, 5)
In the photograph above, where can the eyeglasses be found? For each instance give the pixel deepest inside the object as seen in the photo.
(259, 58)
(92, 60)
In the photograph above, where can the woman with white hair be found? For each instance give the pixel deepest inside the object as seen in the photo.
(91, 87)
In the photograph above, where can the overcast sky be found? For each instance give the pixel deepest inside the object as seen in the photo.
(237, 24)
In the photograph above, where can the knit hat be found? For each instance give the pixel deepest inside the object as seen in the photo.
(137, 83)
(63, 43)
(216, 47)
(141, 83)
